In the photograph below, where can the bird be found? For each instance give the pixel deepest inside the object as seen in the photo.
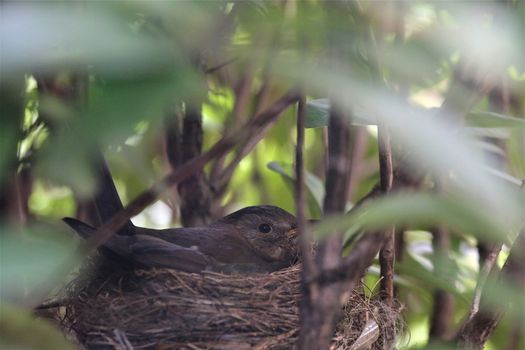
(255, 239)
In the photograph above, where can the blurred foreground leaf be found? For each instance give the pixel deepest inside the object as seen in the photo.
(33, 262)
(493, 120)
(318, 114)
(416, 209)
(51, 37)
(20, 330)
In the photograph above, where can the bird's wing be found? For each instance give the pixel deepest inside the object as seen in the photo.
(220, 243)
(145, 250)
(155, 252)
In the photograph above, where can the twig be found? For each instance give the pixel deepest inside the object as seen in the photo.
(484, 273)
(222, 174)
(104, 232)
(194, 191)
(213, 69)
(386, 254)
(480, 326)
(306, 253)
(443, 309)
(242, 96)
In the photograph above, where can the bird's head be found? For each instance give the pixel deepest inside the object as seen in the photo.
(272, 231)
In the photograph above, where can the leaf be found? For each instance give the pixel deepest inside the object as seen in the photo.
(33, 262)
(95, 36)
(428, 142)
(318, 115)
(114, 109)
(314, 187)
(416, 209)
(19, 329)
(493, 120)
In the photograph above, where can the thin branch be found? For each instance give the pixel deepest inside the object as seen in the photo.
(194, 191)
(484, 273)
(386, 254)
(478, 329)
(223, 174)
(305, 237)
(242, 96)
(443, 308)
(213, 69)
(104, 232)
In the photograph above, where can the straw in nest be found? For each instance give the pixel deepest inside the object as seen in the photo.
(170, 309)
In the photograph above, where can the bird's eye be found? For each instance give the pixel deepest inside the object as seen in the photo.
(265, 228)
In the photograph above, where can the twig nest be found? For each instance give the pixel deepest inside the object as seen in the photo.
(170, 309)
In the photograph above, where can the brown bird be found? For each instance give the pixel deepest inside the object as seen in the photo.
(253, 239)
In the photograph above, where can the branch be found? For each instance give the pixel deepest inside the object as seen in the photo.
(222, 174)
(321, 303)
(242, 97)
(486, 268)
(194, 191)
(386, 254)
(306, 252)
(443, 309)
(478, 329)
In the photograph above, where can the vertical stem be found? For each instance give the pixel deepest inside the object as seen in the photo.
(11, 113)
(443, 309)
(299, 188)
(194, 191)
(480, 325)
(321, 306)
(386, 255)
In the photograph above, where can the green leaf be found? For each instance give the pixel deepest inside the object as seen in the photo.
(19, 329)
(493, 120)
(318, 115)
(100, 37)
(33, 262)
(416, 209)
(314, 187)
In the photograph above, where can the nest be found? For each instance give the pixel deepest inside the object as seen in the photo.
(170, 309)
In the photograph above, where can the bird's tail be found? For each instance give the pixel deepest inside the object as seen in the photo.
(83, 229)
(107, 200)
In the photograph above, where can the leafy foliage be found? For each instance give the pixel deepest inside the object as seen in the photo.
(79, 77)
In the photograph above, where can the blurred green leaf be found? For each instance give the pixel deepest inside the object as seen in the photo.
(415, 271)
(493, 120)
(516, 152)
(115, 107)
(318, 115)
(416, 209)
(21, 330)
(33, 262)
(314, 187)
(95, 36)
